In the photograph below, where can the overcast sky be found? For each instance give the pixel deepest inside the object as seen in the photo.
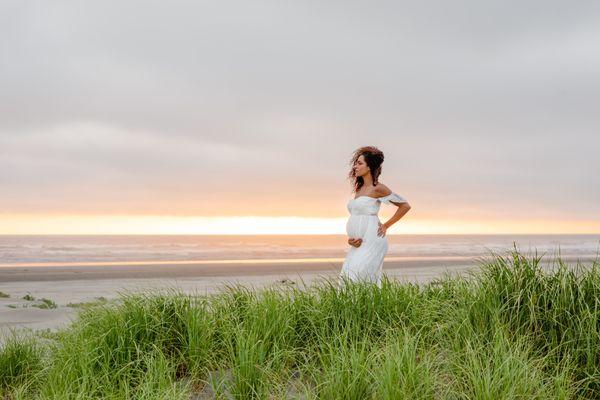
(482, 108)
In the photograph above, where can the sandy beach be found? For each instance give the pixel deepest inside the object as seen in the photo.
(71, 283)
(67, 284)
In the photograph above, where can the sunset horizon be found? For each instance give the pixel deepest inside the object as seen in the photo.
(252, 225)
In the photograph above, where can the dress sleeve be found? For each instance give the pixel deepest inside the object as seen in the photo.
(393, 197)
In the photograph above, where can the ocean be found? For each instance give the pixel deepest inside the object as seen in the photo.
(56, 249)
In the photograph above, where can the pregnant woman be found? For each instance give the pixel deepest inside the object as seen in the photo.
(366, 234)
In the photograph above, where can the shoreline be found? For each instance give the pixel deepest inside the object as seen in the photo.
(63, 271)
(28, 272)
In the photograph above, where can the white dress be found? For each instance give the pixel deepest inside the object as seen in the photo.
(366, 261)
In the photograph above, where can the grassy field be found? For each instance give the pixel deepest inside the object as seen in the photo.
(511, 330)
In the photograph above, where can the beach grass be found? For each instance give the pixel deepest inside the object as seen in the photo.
(508, 330)
(45, 304)
(87, 304)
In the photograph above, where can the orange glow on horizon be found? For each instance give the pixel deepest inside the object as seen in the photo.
(15, 224)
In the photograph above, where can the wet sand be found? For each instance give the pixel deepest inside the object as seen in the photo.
(29, 272)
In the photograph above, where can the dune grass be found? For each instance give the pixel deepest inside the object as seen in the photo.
(45, 304)
(509, 330)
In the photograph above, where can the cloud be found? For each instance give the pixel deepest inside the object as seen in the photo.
(480, 106)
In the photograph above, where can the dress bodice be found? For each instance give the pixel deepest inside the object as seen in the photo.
(367, 205)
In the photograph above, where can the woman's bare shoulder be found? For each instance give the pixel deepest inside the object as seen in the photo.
(382, 190)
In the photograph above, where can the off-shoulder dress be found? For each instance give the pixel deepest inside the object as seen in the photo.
(366, 261)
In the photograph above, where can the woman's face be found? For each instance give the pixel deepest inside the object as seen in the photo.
(360, 166)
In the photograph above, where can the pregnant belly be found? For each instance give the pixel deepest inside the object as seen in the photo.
(357, 225)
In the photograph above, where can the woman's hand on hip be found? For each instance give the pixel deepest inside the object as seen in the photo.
(382, 230)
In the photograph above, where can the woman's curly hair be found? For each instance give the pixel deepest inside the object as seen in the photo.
(373, 157)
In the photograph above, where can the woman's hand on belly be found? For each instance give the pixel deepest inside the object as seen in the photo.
(354, 242)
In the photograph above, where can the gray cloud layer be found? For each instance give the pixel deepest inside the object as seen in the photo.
(141, 106)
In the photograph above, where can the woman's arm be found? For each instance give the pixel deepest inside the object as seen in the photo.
(400, 212)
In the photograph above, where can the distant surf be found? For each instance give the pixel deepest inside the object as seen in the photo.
(147, 249)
